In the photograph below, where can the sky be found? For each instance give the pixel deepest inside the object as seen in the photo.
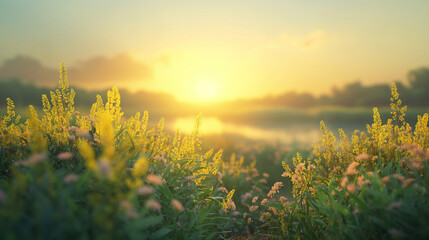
(214, 50)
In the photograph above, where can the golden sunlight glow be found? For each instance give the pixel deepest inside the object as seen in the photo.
(206, 89)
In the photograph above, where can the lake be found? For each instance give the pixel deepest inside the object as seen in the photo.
(291, 132)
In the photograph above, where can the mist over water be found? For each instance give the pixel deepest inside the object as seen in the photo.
(292, 132)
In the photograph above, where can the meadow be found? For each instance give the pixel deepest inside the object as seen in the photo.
(69, 175)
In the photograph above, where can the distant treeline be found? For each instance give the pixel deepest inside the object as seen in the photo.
(414, 94)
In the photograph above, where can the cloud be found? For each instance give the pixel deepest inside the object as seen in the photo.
(164, 60)
(120, 68)
(305, 41)
(314, 38)
(94, 72)
(28, 69)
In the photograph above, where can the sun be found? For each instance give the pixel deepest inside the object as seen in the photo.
(206, 89)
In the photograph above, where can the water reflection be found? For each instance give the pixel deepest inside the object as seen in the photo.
(291, 133)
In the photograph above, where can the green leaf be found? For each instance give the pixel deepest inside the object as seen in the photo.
(119, 132)
(2, 155)
(213, 235)
(214, 199)
(276, 205)
(321, 222)
(201, 175)
(148, 221)
(160, 233)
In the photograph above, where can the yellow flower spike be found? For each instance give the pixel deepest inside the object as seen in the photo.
(286, 167)
(145, 119)
(194, 138)
(208, 154)
(114, 108)
(421, 132)
(58, 110)
(130, 183)
(9, 110)
(63, 83)
(240, 162)
(107, 135)
(33, 124)
(9, 125)
(97, 108)
(325, 151)
(197, 124)
(176, 145)
(88, 154)
(133, 184)
(46, 104)
(344, 141)
(158, 138)
(227, 199)
(217, 159)
(397, 112)
(140, 167)
(232, 159)
(161, 125)
(133, 125)
(253, 164)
